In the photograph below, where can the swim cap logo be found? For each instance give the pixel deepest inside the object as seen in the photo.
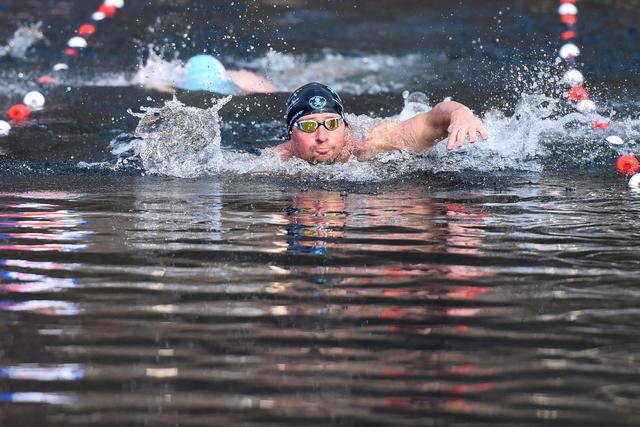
(318, 102)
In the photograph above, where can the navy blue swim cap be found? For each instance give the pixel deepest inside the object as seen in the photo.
(312, 98)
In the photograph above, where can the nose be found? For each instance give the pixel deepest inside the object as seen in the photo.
(322, 134)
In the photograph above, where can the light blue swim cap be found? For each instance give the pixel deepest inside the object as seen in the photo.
(204, 72)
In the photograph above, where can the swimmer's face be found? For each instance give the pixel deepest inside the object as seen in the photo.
(320, 146)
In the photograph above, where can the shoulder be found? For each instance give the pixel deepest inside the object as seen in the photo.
(285, 150)
(380, 135)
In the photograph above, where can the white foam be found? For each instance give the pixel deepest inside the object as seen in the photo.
(157, 72)
(356, 74)
(183, 141)
(24, 37)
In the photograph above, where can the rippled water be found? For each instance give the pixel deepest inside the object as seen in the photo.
(175, 302)
(492, 286)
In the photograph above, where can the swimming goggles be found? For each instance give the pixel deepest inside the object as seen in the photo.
(310, 126)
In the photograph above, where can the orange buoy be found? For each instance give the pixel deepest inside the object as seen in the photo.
(18, 112)
(45, 80)
(627, 164)
(86, 30)
(578, 93)
(109, 11)
(569, 19)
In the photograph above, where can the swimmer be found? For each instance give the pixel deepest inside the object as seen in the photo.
(205, 73)
(318, 131)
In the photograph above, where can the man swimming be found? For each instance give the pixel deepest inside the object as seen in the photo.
(200, 73)
(318, 130)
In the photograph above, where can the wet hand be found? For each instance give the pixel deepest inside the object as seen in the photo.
(464, 125)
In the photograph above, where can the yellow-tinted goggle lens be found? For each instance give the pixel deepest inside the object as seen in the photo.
(333, 124)
(310, 126)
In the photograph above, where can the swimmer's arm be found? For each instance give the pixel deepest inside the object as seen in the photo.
(424, 131)
(251, 82)
(448, 118)
(161, 87)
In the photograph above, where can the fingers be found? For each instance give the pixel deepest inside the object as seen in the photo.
(483, 133)
(472, 135)
(453, 138)
(457, 135)
(462, 136)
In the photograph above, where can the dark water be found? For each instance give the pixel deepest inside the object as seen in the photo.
(167, 301)
(479, 289)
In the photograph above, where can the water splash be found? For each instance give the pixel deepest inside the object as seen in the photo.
(157, 72)
(24, 37)
(183, 141)
(542, 132)
(179, 140)
(355, 74)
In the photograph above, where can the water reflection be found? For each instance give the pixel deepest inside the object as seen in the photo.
(252, 306)
(58, 230)
(37, 225)
(413, 300)
(185, 215)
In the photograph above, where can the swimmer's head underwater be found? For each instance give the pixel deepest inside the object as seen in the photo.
(204, 72)
(317, 129)
(201, 73)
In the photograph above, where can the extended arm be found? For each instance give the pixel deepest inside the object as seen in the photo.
(251, 82)
(425, 130)
(447, 118)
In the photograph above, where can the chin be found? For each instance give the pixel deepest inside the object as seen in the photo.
(325, 159)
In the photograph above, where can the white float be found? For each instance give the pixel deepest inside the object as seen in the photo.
(634, 182)
(34, 100)
(98, 16)
(569, 50)
(568, 9)
(5, 128)
(615, 140)
(60, 67)
(586, 106)
(573, 77)
(77, 42)
(115, 3)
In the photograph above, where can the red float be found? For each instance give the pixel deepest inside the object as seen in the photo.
(568, 1)
(568, 35)
(601, 125)
(71, 52)
(45, 80)
(569, 19)
(578, 93)
(109, 11)
(627, 164)
(86, 30)
(18, 112)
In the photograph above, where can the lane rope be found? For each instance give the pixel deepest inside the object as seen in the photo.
(573, 78)
(35, 100)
